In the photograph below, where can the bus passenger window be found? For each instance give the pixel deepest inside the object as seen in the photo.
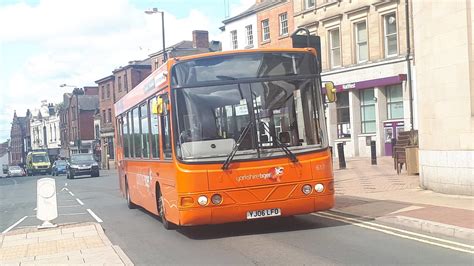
(166, 128)
(126, 139)
(144, 130)
(155, 141)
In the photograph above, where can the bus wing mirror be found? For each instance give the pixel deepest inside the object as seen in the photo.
(157, 107)
(330, 91)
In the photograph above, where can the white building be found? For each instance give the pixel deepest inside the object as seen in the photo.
(44, 129)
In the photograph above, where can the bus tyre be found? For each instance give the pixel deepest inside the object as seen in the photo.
(161, 210)
(130, 204)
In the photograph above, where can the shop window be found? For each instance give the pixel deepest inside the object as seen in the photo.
(390, 35)
(343, 115)
(367, 110)
(394, 102)
(334, 48)
(362, 48)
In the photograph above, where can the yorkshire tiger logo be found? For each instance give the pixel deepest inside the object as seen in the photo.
(276, 173)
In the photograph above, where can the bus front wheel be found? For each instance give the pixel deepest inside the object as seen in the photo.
(161, 211)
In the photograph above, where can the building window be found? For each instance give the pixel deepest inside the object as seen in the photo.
(335, 48)
(108, 91)
(109, 120)
(309, 3)
(104, 118)
(283, 24)
(265, 30)
(390, 32)
(119, 81)
(367, 110)
(233, 38)
(97, 131)
(343, 115)
(362, 48)
(103, 92)
(394, 101)
(249, 35)
(125, 82)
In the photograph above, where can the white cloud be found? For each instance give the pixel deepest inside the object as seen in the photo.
(79, 41)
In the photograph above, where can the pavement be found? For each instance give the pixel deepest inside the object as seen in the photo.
(376, 192)
(81, 243)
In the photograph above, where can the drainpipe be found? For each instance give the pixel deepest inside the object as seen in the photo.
(410, 89)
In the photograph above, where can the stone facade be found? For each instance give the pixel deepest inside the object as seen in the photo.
(364, 52)
(445, 82)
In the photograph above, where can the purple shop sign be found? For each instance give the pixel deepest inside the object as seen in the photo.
(371, 83)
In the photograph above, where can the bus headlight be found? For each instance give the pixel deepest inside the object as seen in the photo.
(306, 189)
(216, 199)
(202, 200)
(319, 188)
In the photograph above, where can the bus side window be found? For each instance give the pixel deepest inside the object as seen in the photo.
(166, 128)
(154, 132)
(126, 139)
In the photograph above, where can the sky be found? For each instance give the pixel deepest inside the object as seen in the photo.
(45, 43)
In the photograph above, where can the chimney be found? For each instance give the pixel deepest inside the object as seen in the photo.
(200, 39)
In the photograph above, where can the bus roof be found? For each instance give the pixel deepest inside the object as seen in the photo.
(157, 80)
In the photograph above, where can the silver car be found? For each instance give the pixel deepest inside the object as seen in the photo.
(15, 171)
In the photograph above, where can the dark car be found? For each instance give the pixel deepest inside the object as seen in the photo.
(82, 164)
(59, 167)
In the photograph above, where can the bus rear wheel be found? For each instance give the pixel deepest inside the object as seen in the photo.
(161, 211)
(130, 204)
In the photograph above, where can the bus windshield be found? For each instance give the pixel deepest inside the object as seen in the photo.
(273, 109)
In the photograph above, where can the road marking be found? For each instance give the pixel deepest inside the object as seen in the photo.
(15, 224)
(72, 194)
(361, 224)
(65, 184)
(80, 202)
(400, 230)
(95, 216)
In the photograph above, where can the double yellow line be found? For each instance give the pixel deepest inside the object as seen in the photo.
(398, 232)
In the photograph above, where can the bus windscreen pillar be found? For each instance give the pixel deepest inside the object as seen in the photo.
(46, 204)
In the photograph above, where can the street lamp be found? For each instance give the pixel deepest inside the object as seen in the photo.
(151, 12)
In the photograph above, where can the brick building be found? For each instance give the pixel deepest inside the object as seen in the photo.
(111, 89)
(275, 24)
(365, 53)
(17, 140)
(200, 44)
(80, 107)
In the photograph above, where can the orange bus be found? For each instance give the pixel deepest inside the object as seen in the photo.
(226, 137)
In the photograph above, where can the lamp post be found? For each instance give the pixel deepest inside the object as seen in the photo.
(153, 11)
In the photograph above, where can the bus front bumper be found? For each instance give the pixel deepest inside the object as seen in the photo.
(233, 213)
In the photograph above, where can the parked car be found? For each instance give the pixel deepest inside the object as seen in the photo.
(15, 171)
(59, 167)
(5, 169)
(82, 164)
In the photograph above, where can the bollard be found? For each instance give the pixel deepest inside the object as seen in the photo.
(340, 155)
(373, 151)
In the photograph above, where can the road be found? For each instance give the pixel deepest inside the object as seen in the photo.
(323, 238)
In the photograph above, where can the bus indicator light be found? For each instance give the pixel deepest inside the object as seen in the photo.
(187, 201)
(202, 200)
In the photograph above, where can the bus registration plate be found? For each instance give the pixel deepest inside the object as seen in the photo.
(263, 213)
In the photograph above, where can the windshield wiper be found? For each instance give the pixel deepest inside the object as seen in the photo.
(227, 161)
(287, 151)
